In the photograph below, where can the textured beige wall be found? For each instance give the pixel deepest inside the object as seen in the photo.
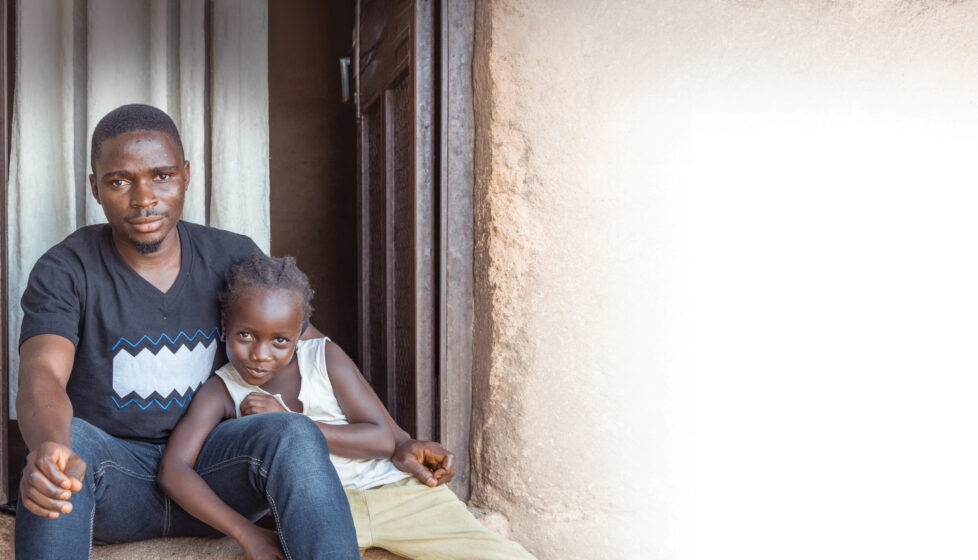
(723, 248)
(577, 362)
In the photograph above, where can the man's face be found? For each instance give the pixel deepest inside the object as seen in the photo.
(140, 178)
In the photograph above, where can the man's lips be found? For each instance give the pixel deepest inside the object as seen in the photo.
(146, 224)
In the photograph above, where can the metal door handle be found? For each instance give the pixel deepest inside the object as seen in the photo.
(345, 78)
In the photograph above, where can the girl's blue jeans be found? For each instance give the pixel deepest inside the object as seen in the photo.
(277, 461)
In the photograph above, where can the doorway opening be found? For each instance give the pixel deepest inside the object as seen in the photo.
(371, 144)
(312, 145)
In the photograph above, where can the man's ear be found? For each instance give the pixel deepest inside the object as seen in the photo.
(91, 181)
(186, 178)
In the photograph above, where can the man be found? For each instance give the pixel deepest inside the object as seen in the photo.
(120, 328)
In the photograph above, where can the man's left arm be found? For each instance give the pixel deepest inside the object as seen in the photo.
(428, 461)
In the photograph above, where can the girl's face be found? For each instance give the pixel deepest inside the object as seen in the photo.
(262, 327)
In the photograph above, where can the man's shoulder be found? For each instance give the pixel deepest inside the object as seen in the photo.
(211, 238)
(85, 237)
(217, 248)
(80, 245)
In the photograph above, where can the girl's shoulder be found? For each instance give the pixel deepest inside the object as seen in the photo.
(214, 393)
(312, 351)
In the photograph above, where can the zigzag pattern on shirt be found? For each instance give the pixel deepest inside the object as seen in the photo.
(147, 375)
(190, 339)
(158, 403)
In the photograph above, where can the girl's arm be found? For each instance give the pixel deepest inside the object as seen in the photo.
(368, 435)
(210, 405)
(428, 461)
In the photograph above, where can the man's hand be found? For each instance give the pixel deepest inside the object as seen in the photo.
(261, 544)
(256, 403)
(428, 461)
(52, 473)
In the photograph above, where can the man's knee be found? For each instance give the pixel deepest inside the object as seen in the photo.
(85, 438)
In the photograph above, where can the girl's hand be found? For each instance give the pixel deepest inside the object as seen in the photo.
(261, 544)
(428, 461)
(256, 403)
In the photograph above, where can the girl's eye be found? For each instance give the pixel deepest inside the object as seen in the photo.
(281, 340)
(244, 335)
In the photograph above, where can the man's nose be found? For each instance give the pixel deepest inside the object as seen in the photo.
(143, 194)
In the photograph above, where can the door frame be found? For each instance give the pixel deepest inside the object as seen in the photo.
(456, 183)
(7, 60)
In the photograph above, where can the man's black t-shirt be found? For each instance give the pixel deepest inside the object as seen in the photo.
(140, 354)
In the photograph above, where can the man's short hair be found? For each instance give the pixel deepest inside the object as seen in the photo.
(130, 118)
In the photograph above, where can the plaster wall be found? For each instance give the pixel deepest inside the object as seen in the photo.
(724, 277)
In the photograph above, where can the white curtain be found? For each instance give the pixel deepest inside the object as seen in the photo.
(77, 60)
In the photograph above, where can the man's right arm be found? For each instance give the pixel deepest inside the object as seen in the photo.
(44, 415)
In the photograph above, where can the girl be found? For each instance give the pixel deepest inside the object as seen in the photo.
(265, 307)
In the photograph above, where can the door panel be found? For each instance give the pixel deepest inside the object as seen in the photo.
(396, 213)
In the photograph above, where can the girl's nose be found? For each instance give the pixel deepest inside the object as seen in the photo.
(260, 354)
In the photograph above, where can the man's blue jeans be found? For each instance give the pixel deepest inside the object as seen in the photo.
(276, 460)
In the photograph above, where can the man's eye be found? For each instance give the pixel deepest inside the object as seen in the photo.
(117, 183)
(163, 177)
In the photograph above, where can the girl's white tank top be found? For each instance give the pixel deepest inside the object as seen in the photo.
(319, 403)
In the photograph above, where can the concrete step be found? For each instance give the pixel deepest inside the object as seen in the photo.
(162, 549)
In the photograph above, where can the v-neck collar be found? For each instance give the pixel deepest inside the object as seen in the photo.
(145, 285)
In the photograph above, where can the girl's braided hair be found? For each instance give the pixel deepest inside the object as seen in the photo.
(261, 271)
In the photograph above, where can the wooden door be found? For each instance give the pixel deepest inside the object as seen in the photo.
(397, 214)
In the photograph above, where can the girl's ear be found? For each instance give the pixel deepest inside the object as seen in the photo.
(222, 327)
